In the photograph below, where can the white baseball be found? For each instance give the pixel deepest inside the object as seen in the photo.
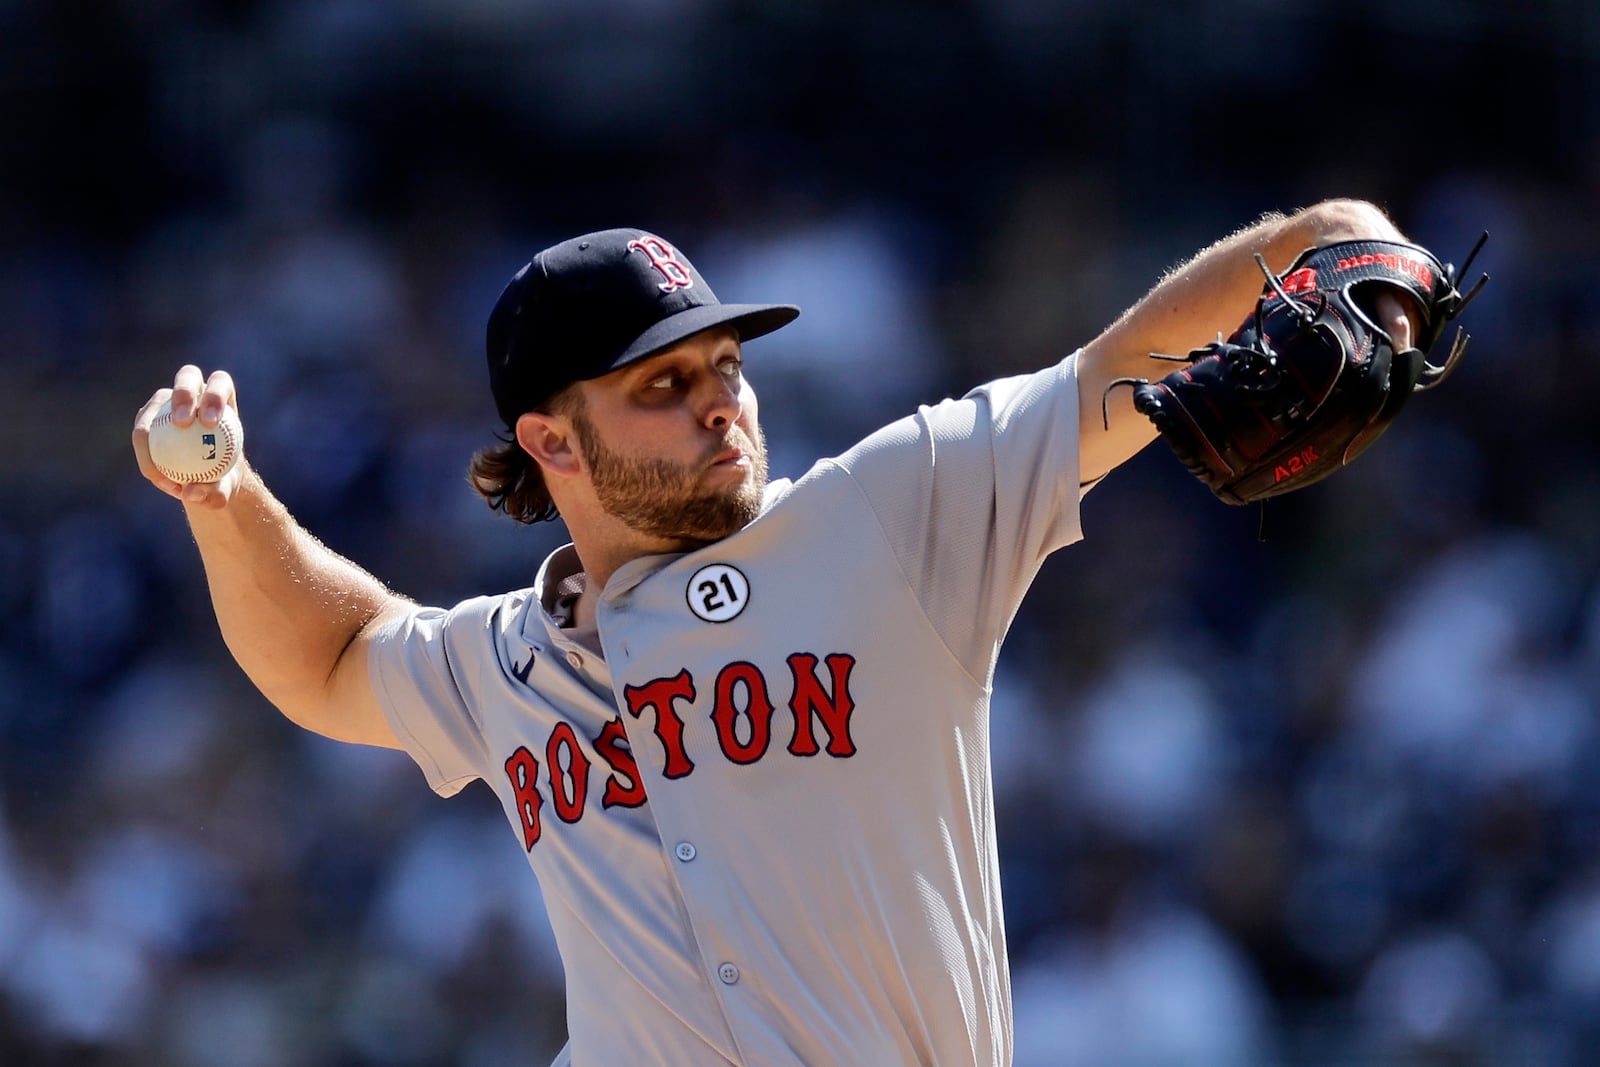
(196, 452)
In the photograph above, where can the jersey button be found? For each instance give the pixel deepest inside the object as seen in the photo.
(574, 659)
(686, 851)
(728, 973)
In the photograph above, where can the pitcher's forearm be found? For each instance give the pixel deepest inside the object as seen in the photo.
(288, 606)
(1211, 292)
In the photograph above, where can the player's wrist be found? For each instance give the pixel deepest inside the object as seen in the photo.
(199, 498)
(1346, 220)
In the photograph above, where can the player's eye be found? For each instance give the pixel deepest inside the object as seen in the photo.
(733, 366)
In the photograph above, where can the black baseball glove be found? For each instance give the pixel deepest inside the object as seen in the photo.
(1309, 380)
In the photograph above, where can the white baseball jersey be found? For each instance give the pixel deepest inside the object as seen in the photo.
(763, 821)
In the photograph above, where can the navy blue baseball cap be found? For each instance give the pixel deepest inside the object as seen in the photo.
(589, 305)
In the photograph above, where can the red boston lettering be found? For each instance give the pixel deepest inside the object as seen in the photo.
(661, 695)
(612, 744)
(811, 699)
(741, 712)
(523, 770)
(569, 778)
(757, 709)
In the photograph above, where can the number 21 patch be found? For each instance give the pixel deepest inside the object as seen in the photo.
(718, 592)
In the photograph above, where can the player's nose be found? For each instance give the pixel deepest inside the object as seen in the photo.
(720, 401)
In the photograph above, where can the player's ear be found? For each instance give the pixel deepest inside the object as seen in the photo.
(550, 440)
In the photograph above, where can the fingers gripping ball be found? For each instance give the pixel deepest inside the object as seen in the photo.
(196, 452)
(1310, 379)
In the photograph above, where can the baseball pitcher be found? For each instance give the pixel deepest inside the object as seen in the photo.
(738, 727)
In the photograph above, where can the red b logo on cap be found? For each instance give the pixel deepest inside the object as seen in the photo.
(665, 259)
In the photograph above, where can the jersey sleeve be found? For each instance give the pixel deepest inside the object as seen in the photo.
(972, 495)
(426, 669)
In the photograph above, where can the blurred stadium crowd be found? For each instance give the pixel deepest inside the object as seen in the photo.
(1330, 797)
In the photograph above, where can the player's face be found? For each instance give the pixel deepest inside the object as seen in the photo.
(673, 443)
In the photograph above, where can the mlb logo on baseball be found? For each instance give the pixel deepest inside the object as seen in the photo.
(196, 452)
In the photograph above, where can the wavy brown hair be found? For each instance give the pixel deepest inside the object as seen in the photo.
(508, 478)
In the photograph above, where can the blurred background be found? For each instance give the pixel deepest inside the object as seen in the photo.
(1331, 797)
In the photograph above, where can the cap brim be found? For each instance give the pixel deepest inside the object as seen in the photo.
(751, 320)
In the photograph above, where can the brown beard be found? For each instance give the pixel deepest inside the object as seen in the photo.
(663, 499)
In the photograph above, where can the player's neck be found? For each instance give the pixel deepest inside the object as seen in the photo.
(603, 556)
(604, 542)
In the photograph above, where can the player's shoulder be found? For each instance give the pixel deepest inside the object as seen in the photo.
(776, 492)
(497, 611)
